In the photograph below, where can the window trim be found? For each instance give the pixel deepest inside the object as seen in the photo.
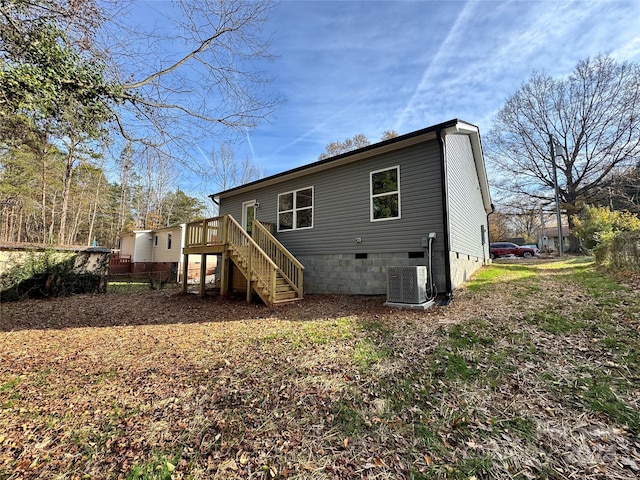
(372, 196)
(294, 210)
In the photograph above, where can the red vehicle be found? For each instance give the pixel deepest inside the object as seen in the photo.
(503, 249)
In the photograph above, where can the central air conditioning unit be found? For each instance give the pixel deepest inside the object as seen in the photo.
(407, 284)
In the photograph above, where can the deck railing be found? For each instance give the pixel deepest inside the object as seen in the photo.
(289, 266)
(209, 231)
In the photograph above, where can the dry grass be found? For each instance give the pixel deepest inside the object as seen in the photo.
(532, 372)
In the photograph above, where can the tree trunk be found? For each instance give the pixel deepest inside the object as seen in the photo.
(44, 199)
(95, 211)
(53, 216)
(66, 193)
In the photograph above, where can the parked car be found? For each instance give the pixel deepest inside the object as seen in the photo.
(502, 249)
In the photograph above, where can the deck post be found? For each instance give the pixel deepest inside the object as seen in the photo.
(185, 272)
(224, 274)
(249, 291)
(203, 273)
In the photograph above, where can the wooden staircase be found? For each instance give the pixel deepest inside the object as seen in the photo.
(269, 269)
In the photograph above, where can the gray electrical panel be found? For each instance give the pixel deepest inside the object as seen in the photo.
(407, 284)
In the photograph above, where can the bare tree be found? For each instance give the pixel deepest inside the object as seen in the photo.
(525, 218)
(227, 172)
(593, 118)
(622, 192)
(499, 227)
(199, 72)
(389, 134)
(347, 145)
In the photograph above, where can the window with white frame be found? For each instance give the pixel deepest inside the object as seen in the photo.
(385, 194)
(295, 209)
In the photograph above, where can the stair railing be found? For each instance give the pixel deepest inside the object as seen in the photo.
(256, 260)
(289, 266)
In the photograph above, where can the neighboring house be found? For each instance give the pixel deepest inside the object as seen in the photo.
(350, 217)
(548, 239)
(154, 251)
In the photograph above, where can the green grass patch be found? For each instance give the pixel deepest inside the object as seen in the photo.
(368, 353)
(10, 386)
(160, 468)
(451, 366)
(349, 418)
(469, 335)
(322, 332)
(555, 323)
(9, 390)
(128, 287)
(524, 427)
(488, 276)
(600, 396)
(597, 283)
(319, 332)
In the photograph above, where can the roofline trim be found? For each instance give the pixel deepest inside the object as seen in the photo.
(345, 158)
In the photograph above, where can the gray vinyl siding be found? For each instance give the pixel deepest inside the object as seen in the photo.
(466, 210)
(342, 208)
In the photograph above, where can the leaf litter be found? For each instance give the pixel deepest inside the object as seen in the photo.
(502, 383)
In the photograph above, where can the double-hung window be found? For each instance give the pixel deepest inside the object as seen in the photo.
(295, 209)
(385, 194)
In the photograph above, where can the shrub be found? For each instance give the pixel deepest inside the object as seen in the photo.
(598, 225)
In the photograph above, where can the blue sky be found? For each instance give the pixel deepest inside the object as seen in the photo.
(349, 67)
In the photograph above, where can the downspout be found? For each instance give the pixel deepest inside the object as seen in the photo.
(217, 204)
(445, 215)
(493, 209)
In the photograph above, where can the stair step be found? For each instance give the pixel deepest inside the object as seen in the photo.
(261, 275)
(286, 295)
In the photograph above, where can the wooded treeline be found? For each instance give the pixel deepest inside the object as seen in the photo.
(31, 198)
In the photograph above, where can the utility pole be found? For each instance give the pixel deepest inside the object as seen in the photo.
(555, 184)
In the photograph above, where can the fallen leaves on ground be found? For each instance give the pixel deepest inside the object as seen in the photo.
(162, 385)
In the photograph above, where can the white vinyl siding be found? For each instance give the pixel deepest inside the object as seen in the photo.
(295, 210)
(468, 219)
(385, 194)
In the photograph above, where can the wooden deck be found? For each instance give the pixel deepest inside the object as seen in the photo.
(206, 236)
(268, 268)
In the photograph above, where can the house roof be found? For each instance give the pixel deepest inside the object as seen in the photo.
(552, 231)
(142, 231)
(450, 127)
